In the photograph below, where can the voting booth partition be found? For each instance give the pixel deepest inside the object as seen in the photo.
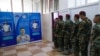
(19, 28)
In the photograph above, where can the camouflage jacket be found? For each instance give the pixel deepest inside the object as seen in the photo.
(55, 30)
(75, 29)
(96, 31)
(60, 28)
(96, 35)
(68, 26)
(85, 29)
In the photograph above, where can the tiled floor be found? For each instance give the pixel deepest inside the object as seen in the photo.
(31, 49)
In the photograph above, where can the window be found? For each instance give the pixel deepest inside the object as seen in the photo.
(56, 5)
(27, 4)
(80, 2)
(47, 5)
(38, 7)
(71, 3)
(5, 5)
(17, 5)
(51, 5)
(92, 1)
(44, 6)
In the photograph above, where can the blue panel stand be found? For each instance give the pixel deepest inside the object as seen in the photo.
(19, 28)
(22, 28)
(35, 26)
(7, 29)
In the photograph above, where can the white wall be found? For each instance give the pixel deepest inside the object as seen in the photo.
(91, 11)
(99, 7)
(63, 13)
(47, 26)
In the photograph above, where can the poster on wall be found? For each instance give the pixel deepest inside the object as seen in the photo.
(22, 28)
(35, 26)
(7, 29)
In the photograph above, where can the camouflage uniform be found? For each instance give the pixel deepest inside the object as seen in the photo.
(55, 34)
(95, 48)
(67, 36)
(84, 35)
(60, 36)
(75, 38)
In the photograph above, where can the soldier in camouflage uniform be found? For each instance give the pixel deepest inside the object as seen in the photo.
(84, 33)
(60, 34)
(75, 38)
(95, 40)
(55, 32)
(67, 35)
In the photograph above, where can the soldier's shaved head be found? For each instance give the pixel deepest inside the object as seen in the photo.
(97, 18)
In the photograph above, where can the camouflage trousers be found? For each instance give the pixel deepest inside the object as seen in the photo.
(76, 47)
(55, 42)
(94, 51)
(60, 42)
(83, 45)
(67, 43)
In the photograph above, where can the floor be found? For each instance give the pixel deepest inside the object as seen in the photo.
(42, 48)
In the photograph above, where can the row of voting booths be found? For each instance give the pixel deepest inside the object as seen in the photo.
(19, 28)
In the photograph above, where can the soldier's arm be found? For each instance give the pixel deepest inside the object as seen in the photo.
(93, 33)
(81, 27)
(73, 29)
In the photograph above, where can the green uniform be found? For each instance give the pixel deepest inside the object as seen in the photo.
(95, 48)
(75, 38)
(67, 36)
(60, 40)
(84, 36)
(55, 34)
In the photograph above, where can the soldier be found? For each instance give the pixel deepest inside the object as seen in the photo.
(55, 33)
(84, 33)
(95, 48)
(60, 34)
(67, 35)
(75, 38)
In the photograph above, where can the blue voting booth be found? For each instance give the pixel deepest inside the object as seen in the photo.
(19, 28)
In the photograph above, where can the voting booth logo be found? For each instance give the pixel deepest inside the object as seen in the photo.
(24, 16)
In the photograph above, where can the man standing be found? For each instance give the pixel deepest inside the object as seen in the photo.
(55, 32)
(60, 34)
(67, 35)
(75, 38)
(84, 33)
(95, 40)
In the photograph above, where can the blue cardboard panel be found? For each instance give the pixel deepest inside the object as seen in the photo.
(35, 26)
(7, 29)
(22, 27)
